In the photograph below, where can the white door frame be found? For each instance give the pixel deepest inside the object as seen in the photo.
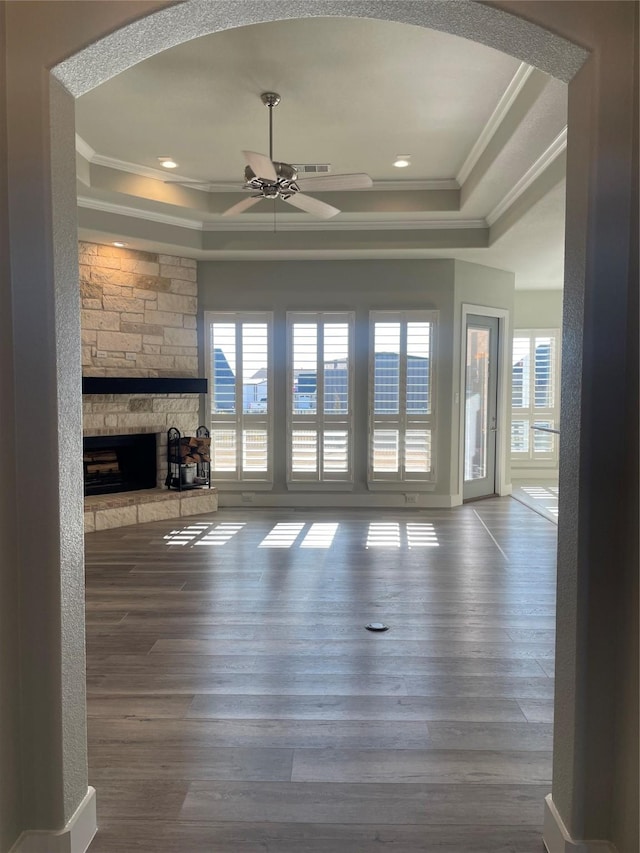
(503, 443)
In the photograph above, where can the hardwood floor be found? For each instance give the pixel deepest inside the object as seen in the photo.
(539, 495)
(238, 705)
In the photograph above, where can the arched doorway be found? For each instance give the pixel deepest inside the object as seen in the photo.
(44, 260)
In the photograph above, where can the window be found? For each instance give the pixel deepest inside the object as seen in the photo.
(320, 425)
(239, 401)
(401, 396)
(534, 396)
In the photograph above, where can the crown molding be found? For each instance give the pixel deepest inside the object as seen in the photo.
(316, 254)
(97, 159)
(349, 225)
(83, 148)
(495, 120)
(136, 213)
(428, 184)
(543, 162)
(244, 224)
(142, 171)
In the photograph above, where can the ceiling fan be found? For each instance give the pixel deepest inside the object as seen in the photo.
(268, 178)
(272, 179)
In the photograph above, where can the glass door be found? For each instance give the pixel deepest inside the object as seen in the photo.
(481, 407)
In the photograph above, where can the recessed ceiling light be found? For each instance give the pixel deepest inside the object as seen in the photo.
(119, 244)
(402, 161)
(168, 162)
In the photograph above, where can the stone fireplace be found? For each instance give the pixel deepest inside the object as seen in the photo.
(129, 414)
(139, 321)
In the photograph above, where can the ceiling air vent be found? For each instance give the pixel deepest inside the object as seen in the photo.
(312, 168)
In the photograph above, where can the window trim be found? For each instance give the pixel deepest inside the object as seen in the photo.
(241, 479)
(408, 481)
(320, 422)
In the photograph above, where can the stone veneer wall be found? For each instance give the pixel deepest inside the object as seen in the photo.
(138, 319)
(138, 313)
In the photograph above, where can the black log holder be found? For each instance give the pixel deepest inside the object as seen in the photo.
(188, 458)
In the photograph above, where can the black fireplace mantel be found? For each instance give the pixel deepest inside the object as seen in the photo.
(143, 385)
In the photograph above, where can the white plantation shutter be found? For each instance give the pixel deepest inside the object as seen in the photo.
(255, 450)
(336, 450)
(519, 436)
(543, 373)
(238, 355)
(521, 372)
(417, 450)
(534, 396)
(401, 396)
(304, 451)
(320, 420)
(418, 374)
(386, 370)
(386, 451)
(223, 449)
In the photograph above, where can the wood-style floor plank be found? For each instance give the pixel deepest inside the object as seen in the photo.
(330, 802)
(238, 705)
(231, 837)
(329, 707)
(441, 767)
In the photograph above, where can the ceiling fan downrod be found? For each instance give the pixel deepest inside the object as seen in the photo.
(271, 100)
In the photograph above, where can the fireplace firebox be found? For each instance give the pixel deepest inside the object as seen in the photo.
(119, 463)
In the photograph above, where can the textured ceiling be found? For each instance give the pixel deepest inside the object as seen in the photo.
(484, 134)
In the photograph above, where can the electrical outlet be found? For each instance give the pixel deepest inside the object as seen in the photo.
(411, 498)
(247, 497)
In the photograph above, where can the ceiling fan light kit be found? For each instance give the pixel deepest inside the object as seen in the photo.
(269, 178)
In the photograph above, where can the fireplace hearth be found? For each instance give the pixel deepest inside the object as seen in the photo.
(119, 463)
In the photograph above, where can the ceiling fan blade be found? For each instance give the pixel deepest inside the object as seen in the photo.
(312, 205)
(243, 205)
(261, 166)
(357, 181)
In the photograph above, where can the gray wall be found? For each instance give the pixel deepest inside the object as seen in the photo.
(47, 414)
(43, 749)
(481, 285)
(537, 309)
(595, 764)
(10, 772)
(358, 286)
(624, 804)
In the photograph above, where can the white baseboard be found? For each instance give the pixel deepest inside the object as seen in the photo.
(557, 839)
(76, 836)
(527, 475)
(332, 500)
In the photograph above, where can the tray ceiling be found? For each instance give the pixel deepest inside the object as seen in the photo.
(485, 134)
